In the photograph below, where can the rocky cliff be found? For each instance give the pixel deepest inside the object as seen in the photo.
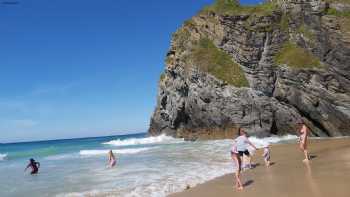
(260, 67)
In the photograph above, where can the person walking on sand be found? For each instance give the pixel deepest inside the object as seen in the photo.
(34, 165)
(242, 143)
(111, 159)
(303, 140)
(237, 161)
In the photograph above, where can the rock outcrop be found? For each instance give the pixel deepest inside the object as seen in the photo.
(261, 67)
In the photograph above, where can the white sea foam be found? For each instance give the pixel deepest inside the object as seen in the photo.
(120, 151)
(62, 156)
(261, 142)
(3, 157)
(191, 164)
(160, 172)
(161, 139)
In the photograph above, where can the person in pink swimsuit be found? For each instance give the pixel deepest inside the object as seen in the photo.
(111, 159)
(303, 140)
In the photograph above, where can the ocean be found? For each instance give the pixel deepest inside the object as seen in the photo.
(146, 166)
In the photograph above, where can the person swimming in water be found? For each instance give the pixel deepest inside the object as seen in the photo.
(34, 165)
(111, 159)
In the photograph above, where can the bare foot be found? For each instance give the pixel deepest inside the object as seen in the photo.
(239, 188)
(306, 160)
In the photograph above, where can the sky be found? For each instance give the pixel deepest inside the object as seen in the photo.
(81, 68)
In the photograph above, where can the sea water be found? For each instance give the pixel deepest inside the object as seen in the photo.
(146, 166)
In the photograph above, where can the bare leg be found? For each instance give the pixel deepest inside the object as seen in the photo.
(237, 160)
(249, 161)
(306, 154)
(267, 162)
(239, 184)
(304, 149)
(242, 162)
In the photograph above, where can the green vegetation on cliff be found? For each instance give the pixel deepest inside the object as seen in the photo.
(296, 57)
(343, 18)
(337, 1)
(284, 23)
(332, 11)
(162, 77)
(208, 58)
(181, 38)
(232, 7)
(304, 29)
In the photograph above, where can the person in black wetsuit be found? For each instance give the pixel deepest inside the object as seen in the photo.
(34, 165)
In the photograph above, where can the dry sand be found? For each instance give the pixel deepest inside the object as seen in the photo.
(327, 174)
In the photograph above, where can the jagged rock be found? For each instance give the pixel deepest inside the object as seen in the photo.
(194, 103)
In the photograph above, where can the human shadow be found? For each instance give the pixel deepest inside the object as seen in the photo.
(247, 183)
(313, 157)
(255, 165)
(272, 163)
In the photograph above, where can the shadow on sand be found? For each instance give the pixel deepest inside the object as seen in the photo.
(247, 183)
(312, 157)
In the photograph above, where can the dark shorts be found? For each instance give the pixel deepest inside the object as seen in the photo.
(34, 172)
(246, 152)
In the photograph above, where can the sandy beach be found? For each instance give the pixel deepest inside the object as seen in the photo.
(327, 174)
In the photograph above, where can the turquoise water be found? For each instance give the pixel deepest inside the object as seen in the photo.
(42, 149)
(147, 166)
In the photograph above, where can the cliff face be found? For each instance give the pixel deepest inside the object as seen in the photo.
(262, 68)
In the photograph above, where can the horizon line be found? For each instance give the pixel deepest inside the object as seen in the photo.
(74, 138)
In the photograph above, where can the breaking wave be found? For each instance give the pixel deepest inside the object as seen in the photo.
(261, 142)
(3, 156)
(161, 139)
(119, 151)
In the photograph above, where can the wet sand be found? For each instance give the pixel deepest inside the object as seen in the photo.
(327, 174)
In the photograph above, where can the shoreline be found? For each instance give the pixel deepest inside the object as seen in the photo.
(327, 174)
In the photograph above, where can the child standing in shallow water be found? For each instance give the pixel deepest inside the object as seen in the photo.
(111, 159)
(266, 155)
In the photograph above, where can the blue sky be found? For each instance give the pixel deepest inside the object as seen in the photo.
(77, 68)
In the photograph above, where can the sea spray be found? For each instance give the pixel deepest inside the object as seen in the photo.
(261, 142)
(119, 151)
(144, 141)
(3, 157)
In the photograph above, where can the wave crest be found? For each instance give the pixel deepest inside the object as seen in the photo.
(3, 157)
(119, 151)
(142, 141)
(261, 142)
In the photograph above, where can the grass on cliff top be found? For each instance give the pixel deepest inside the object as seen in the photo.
(181, 37)
(338, 1)
(232, 7)
(343, 18)
(296, 57)
(332, 11)
(208, 58)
